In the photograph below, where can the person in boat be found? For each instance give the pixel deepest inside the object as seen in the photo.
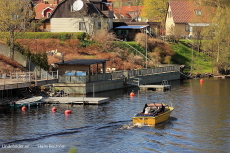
(147, 110)
(158, 107)
(143, 111)
(153, 108)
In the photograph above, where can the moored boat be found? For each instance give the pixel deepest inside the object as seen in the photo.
(26, 102)
(162, 114)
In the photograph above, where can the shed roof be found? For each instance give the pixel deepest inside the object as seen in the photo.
(82, 62)
(132, 27)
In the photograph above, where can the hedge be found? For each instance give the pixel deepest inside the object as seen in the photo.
(49, 35)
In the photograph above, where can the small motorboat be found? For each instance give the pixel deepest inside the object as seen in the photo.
(153, 117)
(26, 102)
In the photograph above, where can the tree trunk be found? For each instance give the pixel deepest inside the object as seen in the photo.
(11, 45)
(218, 52)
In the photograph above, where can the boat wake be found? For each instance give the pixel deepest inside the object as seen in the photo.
(130, 126)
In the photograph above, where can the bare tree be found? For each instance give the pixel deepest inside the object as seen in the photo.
(15, 18)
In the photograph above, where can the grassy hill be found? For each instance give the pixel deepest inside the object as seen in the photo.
(125, 57)
(194, 61)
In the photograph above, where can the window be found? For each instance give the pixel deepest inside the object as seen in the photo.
(99, 25)
(71, 8)
(16, 16)
(81, 25)
(198, 12)
(48, 14)
(187, 27)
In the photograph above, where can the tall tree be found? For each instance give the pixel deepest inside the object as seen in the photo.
(215, 3)
(217, 38)
(15, 17)
(154, 10)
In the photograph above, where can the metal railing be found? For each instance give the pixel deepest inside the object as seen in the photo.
(118, 74)
(21, 77)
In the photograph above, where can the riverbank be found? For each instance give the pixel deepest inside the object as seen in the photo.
(209, 75)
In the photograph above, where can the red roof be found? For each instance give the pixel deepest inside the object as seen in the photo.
(185, 12)
(128, 11)
(42, 8)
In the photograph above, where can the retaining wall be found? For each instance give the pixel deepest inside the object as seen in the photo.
(100, 86)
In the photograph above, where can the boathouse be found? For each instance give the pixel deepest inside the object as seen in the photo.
(84, 65)
(104, 81)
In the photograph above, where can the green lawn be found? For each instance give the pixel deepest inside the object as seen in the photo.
(194, 61)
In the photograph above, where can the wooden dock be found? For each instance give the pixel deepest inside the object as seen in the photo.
(155, 87)
(76, 100)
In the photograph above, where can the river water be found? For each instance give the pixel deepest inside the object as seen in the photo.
(200, 122)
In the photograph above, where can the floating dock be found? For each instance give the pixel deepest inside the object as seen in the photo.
(75, 100)
(155, 87)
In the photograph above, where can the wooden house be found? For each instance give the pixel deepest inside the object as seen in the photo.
(186, 18)
(43, 12)
(80, 16)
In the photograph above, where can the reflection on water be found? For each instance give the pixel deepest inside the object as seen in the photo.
(199, 123)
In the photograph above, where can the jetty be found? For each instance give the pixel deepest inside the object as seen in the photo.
(75, 100)
(155, 87)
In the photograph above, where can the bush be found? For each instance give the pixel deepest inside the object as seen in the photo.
(48, 35)
(141, 39)
(39, 59)
(103, 39)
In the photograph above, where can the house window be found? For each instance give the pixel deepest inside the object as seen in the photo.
(198, 12)
(132, 13)
(71, 8)
(16, 16)
(187, 27)
(48, 14)
(99, 25)
(81, 25)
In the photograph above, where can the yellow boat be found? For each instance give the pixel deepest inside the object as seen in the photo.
(150, 119)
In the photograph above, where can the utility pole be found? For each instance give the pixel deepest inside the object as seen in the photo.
(146, 49)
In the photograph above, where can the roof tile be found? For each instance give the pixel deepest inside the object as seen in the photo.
(184, 12)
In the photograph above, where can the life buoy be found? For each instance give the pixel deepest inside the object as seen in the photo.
(24, 108)
(132, 94)
(54, 109)
(68, 112)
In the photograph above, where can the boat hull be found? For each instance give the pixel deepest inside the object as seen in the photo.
(152, 120)
(27, 102)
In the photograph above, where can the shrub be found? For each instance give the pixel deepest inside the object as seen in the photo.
(48, 35)
(141, 39)
(39, 59)
(103, 39)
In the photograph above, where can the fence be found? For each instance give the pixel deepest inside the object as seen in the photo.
(31, 76)
(119, 74)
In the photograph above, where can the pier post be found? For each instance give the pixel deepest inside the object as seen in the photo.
(93, 90)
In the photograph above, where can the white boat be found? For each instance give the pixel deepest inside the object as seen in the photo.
(26, 102)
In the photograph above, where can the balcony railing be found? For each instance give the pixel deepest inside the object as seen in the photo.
(119, 74)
